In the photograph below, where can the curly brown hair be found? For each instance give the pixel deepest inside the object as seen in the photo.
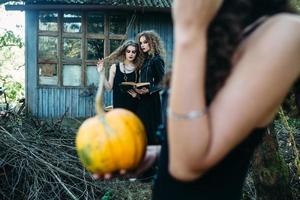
(226, 32)
(155, 42)
(119, 55)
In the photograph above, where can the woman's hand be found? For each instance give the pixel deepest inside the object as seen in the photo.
(132, 93)
(151, 155)
(100, 65)
(194, 14)
(142, 91)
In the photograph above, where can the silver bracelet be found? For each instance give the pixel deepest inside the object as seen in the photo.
(187, 116)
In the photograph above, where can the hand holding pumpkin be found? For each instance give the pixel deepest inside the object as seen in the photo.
(151, 155)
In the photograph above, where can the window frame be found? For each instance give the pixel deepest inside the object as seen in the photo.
(84, 36)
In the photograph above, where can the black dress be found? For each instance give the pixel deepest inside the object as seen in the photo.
(123, 99)
(149, 105)
(224, 181)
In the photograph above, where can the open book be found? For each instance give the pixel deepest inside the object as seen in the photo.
(125, 86)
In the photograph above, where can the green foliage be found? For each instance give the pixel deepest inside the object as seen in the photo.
(10, 39)
(107, 196)
(296, 4)
(11, 47)
(13, 89)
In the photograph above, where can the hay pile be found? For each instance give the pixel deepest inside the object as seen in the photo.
(38, 161)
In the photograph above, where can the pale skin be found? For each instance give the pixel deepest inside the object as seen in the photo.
(248, 100)
(125, 67)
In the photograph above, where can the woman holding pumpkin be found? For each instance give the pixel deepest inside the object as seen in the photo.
(127, 60)
(222, 52)
(152, 70)
(213, 130)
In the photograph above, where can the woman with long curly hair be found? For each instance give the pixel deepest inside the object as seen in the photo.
(229, 57)
(127, 60)
(152, 70)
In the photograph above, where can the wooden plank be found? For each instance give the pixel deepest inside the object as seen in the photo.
(77, 102)
(48, 33)
(95, 36)
(52, 102)
(83, 49)
(46, 61)
(106, 32)
(117, 37)
(39, 105)
(60, 49)
(56, 110)
(71, 61)
(72, 35)
(63, 102)
(45, 108)
(30, 61)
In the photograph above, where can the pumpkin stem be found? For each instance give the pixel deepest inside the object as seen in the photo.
(98, 100)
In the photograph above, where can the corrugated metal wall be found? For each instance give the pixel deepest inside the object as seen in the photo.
(162, 24)
(54, 102)
(159, 22)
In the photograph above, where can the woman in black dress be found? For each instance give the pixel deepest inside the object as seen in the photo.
(126, 60)
(222, 92)
(228, 57)
(152, 70)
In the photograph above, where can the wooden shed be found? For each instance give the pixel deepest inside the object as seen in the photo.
(64, 39)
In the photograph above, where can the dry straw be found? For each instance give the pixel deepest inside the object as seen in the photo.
(38, 161)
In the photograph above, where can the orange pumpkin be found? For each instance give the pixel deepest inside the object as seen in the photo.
(112, 141)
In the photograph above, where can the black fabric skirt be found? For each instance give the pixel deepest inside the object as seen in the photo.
(149, 111)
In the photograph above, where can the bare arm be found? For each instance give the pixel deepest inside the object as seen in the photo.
(251, 92)
(110, 83)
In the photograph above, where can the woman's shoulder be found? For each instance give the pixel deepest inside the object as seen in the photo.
(277, 39)
(282, 22)
(286, 16)
(157, 58)
(285, 20)
(113, 67)
(279, 30)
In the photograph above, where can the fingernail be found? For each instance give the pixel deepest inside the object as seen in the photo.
(95, 176)
(107, 176)
(122, 171)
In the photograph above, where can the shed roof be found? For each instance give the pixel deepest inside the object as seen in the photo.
(151, 5)
(133, 3)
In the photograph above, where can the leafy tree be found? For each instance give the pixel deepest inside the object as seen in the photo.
(296, 3)
(10, 39)
(13, 89)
